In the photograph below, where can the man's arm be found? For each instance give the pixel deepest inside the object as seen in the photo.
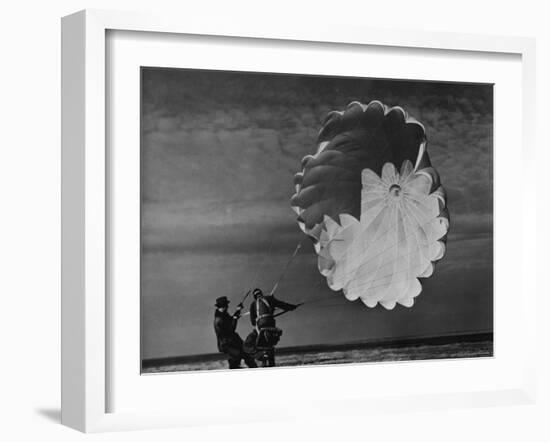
(232, 320)
(281, 304)
(237, 313)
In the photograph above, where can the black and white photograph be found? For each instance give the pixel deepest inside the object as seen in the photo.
(303, 220)
(297, 220)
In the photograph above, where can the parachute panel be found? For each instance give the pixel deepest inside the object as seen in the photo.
(373, 204)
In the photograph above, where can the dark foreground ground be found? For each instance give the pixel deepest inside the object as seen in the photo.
(446, 347)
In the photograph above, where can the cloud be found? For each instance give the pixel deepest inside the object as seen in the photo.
(238, 136)
(219, 151)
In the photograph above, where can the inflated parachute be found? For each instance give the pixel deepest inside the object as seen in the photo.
(373, 204)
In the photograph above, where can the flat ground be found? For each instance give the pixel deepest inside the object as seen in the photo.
(380, 353)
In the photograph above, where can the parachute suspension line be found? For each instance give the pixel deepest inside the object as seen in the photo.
(333, 305)
(286, 311)
(317, 300)
(257, 272)
(296, 250)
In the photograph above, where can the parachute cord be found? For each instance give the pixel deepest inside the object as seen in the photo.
(257, 273)
(317, 300)
(307, 303)
(298, 247)
(334, 304)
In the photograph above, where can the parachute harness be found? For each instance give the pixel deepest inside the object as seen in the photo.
(258, 316)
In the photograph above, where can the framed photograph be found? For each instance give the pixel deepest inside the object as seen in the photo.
(295, 208)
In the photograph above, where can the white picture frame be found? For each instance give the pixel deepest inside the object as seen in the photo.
(86, 202)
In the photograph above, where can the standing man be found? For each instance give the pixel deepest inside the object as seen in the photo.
(229, 341)
(262, 318)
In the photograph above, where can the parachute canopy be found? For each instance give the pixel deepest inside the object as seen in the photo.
(372, 204)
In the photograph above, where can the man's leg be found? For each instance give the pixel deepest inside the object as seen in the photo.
(234, 358)
(249, 360)
(265, 359)
(234, 363)
(271, 358)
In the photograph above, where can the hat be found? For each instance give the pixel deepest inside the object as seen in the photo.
(222, 301)
(257, 292)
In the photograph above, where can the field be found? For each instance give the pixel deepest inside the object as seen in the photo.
(436, 348)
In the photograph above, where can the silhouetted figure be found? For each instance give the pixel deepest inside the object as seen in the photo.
(266, 333)
(229, 341)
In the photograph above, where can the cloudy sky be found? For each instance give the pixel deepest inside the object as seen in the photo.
(219, 150)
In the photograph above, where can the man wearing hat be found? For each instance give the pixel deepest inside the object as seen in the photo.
(229, 341)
